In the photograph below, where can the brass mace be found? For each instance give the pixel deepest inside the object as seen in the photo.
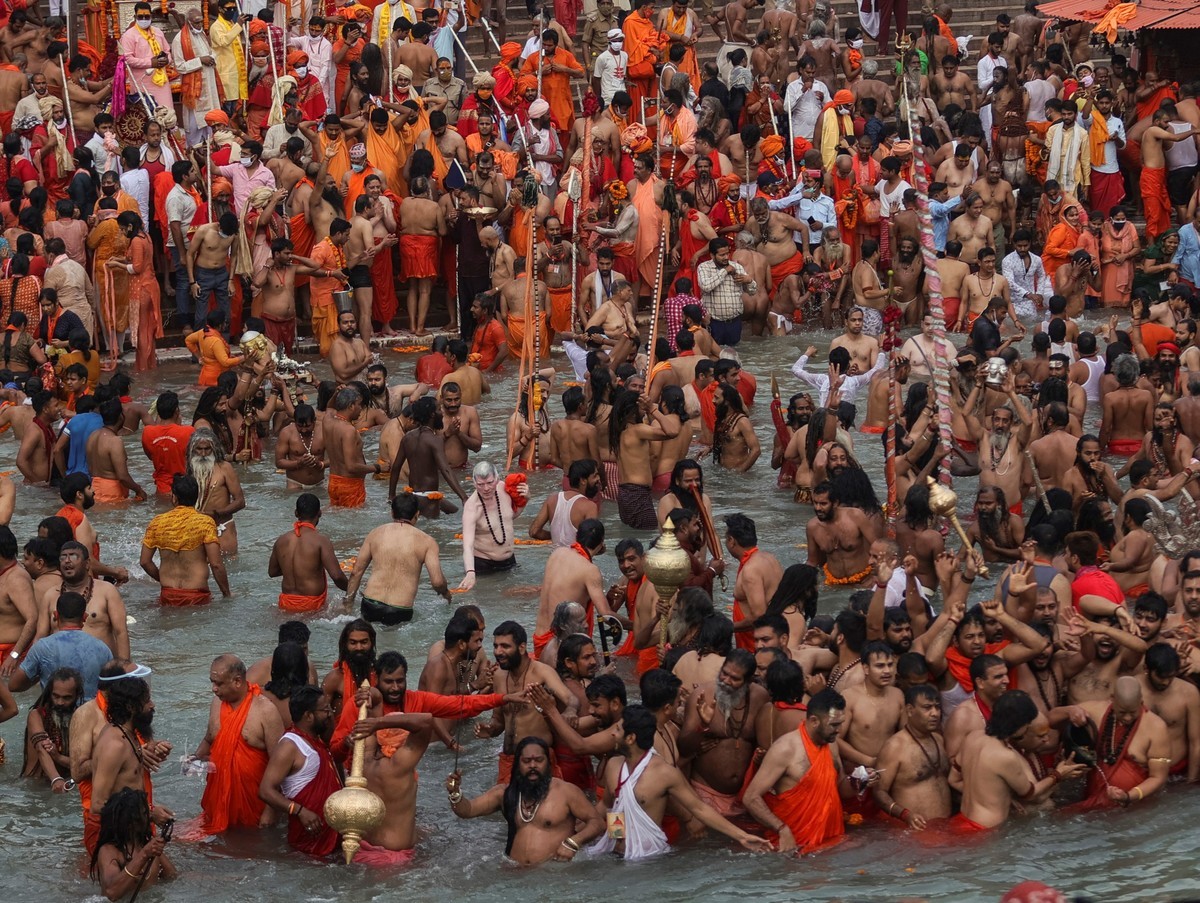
(667, 566)
(354, 810)
(943, 501)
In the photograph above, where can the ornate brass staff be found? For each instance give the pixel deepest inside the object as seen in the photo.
(354, 810)
(943, 501)
(667, 566)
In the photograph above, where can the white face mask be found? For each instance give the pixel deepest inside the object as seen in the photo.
(301, 71)
(358, 167)
(61, 123)
(247, 162)
(857, 45)
(143, 23)
(1086, 81)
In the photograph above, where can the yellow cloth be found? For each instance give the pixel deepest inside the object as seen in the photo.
(1098, 136)
(831, 134)
(160, 75)
(226, 42)
(182, 529)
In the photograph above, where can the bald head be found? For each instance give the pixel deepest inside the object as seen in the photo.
(1128, 694)
(231, 664)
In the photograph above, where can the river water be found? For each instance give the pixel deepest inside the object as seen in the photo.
(1136, 855)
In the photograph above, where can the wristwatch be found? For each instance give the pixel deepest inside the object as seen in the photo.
(14, 655)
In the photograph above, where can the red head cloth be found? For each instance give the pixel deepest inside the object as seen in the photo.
(510, 51)
(297, 58)
(1033, 892)
(221, 185)
(1168, 346)
(215, 118)
(525, 82)
(591, 103)
(257, 28)
(259, 47)
(730, 181)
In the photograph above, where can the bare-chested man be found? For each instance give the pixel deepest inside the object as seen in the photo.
(547, 825)
(300, 450)
(18, 608)
(306, 561)
(423, 450)
(999, 203)
(972, 230)
(1127, 412)
(951, 86)
(106, 458)
(874, 710)
(863, 349)
(461, 432)
(275, 286)
(1177, 702)
(718, 732)
(105, 615)
(516, 671)
(839, 539)
(913, 765)
(344, 450)
(187, 545)
(572, 575)
(422, 221)
(1001, 442)
(207, 260)
(398, 550)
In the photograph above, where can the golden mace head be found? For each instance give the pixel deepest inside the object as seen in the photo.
(667, 563)
(354, 810)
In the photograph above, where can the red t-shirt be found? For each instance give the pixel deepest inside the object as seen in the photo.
(165, 444)
(487, 342)
(1091, 581)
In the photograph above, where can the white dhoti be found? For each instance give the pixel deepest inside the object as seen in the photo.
(644, 839)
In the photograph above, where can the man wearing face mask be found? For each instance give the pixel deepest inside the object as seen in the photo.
(310, 97)
(260, 82)
(226, 36)
(481, 100)
(197, 67)
(611, 66)
(319, 51)
(447, 92)
(247, 173)
(145, 50)
(1106, 136)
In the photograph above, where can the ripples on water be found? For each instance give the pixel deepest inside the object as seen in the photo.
(1129, 856)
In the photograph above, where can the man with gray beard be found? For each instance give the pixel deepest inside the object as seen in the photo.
(1002, 438)
(221, 493)
(569, 617)
(998, 531)
(718, 732)
(692, 606)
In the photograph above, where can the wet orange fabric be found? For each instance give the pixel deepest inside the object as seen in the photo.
(348, 716)
(418, 256)
(296, 602)
(231, 794)
(631, 593)
(560, 308)
(347, 492)
(744, 638)
(540, 641)
(175, 596)
(384, 153)
(812, 809)
(355, 188)
(109, 490)
(960, 665)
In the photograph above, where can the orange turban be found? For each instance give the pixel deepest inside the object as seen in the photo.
(221, 185)
(844, 98)
(730, 181)
(801, 146)
(216, 117)
(772, 146)
(256, 28)
(525, 82)
(297, 58)
(510, 52)
(391, 740)
(259, 47)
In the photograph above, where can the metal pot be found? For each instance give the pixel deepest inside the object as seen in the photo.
(344, 301)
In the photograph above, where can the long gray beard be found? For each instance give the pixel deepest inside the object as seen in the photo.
(729, 701)
(202, 467)
(677, 626)
(1000, 442)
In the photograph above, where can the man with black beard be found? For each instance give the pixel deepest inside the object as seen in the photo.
(998, 532)
(909, 278)
(898, 629)
(355, 663)
(48, 730)
(117, 756)
(799, 412)
(349, 354)
(516, 670)
(423, 449)
(533, 791)
(1167, 448)
(563, 512)
(719, 732)
(1106, 651)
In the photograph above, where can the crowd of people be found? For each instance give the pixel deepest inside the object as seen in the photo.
(281, 182)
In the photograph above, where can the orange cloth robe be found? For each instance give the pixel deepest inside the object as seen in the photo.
(812, 809)
(643, 43)
(649, 232)
(302, 233)
(386, 153)
(556, 86)
(682, 27)
(145, 313)
(324, 311)
(231, 794)
(212, 349)
(341, 161)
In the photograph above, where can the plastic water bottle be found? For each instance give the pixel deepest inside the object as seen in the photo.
(192, 767)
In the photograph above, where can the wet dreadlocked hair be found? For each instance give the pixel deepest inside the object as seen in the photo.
(124, 824)
(602, 382)
(289, 670)
(816, 429)
(206, 409)
(852, 488)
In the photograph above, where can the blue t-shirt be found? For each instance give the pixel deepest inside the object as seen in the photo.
(67, 649)
(79, 428)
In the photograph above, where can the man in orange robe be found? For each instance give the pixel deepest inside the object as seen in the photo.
(558, 68)
(797, 793)
(644, 43)
(384, 149)
(329, 278)
(357, 176)
(649, 233)
(237, 744)
(332, 134)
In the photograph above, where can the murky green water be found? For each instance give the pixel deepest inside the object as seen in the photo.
(1135, 855)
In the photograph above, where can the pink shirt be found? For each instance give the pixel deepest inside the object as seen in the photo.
(245, 181)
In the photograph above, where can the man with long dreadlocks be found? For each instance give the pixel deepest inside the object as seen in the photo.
(998, 531)
(48, 730)
(126, 850)
(532, 790)
(221, 495)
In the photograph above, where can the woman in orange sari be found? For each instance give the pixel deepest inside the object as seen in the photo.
(145, 318)
(1061, 241)
(107, 241)
(1118, 246)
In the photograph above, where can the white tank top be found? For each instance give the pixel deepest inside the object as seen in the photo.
(1091, 386)
(294, 783)
(562, 531)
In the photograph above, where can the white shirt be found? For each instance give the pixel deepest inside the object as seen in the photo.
(894, 202)
(1181, 154)
(986, 67)
(1039, 90)
(1025, 278)
(610, 69)
(1116, 129)
(805, 106)
(136, 183)
(852, 385)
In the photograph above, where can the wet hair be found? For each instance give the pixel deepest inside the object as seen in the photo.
(826, 701)
(606, 686)
(785, 681)
(659, 687)
(1012, 711)
(289, 670)
(798, 586)
(715, 636)
(912, 665)
(124, 824)
(1162, 660)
